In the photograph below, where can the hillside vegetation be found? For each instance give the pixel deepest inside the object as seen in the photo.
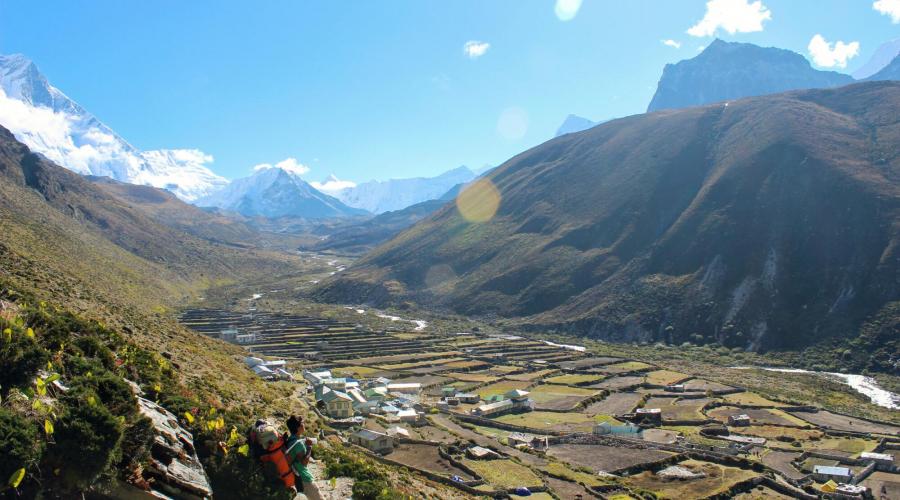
(765, 223)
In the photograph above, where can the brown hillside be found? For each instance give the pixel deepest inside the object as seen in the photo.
(769, 222)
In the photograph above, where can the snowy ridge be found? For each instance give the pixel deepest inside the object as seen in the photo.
(276, 192)
(395, 194)
(52, 124)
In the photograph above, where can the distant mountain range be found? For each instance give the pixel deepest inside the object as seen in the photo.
(883, 56)
(769, 223)
(51, 124)
(574, 123)
(358, 237)
(276, 192)
(395, 194)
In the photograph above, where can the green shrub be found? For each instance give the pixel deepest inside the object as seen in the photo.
(114, 392)
(371, 490)
(20, 359)
(79, 366)
(92, 347)
(21, 444)
(88, 439)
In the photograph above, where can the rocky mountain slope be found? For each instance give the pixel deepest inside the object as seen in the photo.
(52, 215)
(764, 223)
(52, 124)
(276, 192)
(731, 70)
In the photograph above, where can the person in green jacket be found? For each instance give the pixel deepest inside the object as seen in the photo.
(299, 451)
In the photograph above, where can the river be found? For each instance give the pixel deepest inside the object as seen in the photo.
(867, 386)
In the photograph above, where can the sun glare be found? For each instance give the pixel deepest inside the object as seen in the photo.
(479, 201)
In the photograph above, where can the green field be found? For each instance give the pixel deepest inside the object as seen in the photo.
(574, 379)
(500, 388)
(549, 420)
(504, 474)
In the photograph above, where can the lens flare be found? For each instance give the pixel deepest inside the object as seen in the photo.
(479, 201)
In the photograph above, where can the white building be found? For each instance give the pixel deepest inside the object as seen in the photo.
(316, 378)
(405, 388)
(882, 458)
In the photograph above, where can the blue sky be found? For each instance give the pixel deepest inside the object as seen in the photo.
(368, 89)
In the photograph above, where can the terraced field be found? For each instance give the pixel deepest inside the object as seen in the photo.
(570, 392)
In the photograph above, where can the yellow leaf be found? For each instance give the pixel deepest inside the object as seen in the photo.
(41, 387)
(7, 334)
(91, 400)
(52, 378)
(16, 478)
(189, 417)
(49, 365)
(37, 405)
(233, 436)
(48, 427)
(220, 423)
(29, 333)
(157, 387)
(212, 411)
(210, 425)
(244, 449)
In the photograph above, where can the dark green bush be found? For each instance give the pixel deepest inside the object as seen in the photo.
(87, 441)
(92, 347)
(371, 490)
(20, 359)
(21, 444)
(79, 366)
(114, 392)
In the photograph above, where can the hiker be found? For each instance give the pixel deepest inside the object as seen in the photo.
(299, 451)
(269, 446)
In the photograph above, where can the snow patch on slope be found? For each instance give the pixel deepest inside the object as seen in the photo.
(50, 123)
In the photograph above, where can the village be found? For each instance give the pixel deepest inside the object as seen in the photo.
(507, 416)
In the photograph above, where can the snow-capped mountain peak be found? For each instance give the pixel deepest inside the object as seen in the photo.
(276, 191)
(396, 194)
(52, 124)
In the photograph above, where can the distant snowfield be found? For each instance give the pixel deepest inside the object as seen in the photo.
(867, 386)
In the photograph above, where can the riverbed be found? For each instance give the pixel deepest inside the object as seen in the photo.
(867, 386)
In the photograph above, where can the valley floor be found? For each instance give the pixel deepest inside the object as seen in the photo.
(568, 433)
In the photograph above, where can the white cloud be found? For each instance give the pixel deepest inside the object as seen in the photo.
(566, 10)
(79, 144)
(828, 55)
(474, 48)
(671, 43)
(889, 8)
(288, 165)
(732, 16)
(332, 185)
